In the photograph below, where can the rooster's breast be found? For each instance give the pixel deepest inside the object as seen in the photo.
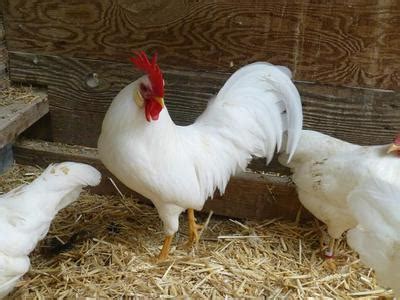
(162, 173)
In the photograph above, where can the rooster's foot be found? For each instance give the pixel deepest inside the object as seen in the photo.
(165, 249)
(193, 229)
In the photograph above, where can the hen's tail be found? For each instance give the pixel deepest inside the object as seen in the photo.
(68, 174)
(255, 107)
(67, 179)
(314, 145)
(376, 205)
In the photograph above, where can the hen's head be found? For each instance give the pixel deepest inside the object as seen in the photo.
(395, 146)
(150, 93)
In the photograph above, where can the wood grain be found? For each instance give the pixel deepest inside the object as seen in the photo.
(18, 116)
(362, 116)
(354, 43)
(248, 195)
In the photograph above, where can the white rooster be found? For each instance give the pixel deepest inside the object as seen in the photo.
(326, 170)
(375, 204)
(179, 167)
(27, 211)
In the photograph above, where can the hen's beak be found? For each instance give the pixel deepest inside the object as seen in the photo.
(393, 147)
(160, 100)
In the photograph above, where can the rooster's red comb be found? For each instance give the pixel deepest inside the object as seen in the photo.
(152, 70)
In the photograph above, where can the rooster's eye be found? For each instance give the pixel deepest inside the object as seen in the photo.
(143, 87)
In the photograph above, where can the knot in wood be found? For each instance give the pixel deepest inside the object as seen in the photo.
(92, 80)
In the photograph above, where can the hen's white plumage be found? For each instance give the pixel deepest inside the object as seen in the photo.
(27, 211)
(326, 170)
(376, 206)
(178, 167)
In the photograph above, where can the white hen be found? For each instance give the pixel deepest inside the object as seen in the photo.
(376, 206)
(27, 211)
(326, 170)
(179, 167)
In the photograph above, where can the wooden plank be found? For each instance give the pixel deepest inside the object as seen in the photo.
(363, 116)
(71, 99)
(19, 115)
(335, 42)
(248, 195)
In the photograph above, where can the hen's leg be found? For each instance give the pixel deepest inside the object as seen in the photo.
(193, 228)
(165, 248)
(331, 249)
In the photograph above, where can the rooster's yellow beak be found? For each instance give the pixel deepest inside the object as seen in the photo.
(393, 147)
(160, 100)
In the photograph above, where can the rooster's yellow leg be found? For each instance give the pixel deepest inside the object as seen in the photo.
(193, 228)
(165, 248)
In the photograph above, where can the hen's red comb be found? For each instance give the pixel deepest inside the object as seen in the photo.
(152, 70)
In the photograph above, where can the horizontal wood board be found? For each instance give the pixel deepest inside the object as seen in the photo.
(363, 116)
(352, 43)
(248, 195)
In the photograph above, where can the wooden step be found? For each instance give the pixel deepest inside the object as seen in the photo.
(19, 109)
(249, 195)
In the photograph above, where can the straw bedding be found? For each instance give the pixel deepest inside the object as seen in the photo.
(16, 94)
(103, 247)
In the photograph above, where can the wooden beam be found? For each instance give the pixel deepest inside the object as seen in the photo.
(19, 115)
(323, 41)
(363, 116)
(248, 195)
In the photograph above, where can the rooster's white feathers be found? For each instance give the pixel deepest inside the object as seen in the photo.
(178, 167)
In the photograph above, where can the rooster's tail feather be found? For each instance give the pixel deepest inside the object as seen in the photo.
(271, 85)
(250, 115)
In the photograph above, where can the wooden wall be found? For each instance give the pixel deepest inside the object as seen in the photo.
(3, 52)
(352, 43)
(363, 116)
(345, 56)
